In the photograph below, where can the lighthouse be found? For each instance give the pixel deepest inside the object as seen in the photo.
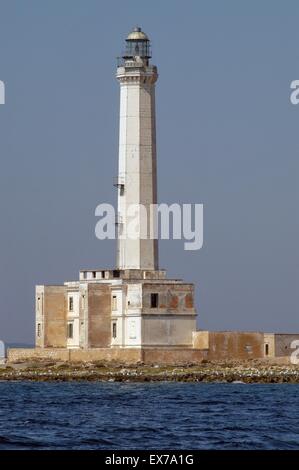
(133, 307)
(133, 312)
(137, 167)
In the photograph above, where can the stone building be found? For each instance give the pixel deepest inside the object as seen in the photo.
(134, 305)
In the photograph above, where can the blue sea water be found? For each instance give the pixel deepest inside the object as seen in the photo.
(82, 415)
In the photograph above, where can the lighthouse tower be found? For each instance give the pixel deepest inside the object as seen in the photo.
(133, 306)
(137, 175)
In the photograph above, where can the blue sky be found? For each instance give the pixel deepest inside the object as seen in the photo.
(227, 138)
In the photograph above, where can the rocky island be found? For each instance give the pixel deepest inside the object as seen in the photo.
(254, 371)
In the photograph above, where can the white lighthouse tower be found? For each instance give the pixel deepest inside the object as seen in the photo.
(134, 306)
(137, 175)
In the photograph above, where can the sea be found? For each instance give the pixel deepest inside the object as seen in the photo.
(165, 415)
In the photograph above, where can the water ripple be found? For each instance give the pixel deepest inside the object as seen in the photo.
(145, 416)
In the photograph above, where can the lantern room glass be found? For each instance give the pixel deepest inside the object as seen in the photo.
(139, 48)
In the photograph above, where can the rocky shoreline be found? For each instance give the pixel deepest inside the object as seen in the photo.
(228, 371)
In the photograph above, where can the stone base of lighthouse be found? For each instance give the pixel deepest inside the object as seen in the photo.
(116, 309)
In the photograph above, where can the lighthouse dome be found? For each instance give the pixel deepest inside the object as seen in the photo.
(137, 35)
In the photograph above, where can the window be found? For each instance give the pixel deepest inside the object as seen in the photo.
(70, 330)
(154, 300)
(71, 304)
(39, 330)
(114, 331)
(116, 273)
(266, 349)
(85, 275)
(94, 274)
(38, 304)
(114, 302)
(103, 274)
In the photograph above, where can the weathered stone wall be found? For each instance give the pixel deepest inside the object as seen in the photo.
(51, 315)
(200, 339)
(283, 344)
(99, 316)
(168, 330)
(173, 321)
(127, 356)
(75, 355)
(21, 354)
(172, 356)
(172, 297)
(231, 344)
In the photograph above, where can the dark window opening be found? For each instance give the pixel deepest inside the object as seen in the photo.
(154, 300)
(114, 332)
(116, 273)
(70, 330)
(103, 274)
(71, 304)
(267, 349)
(39, 330)
(94, 274)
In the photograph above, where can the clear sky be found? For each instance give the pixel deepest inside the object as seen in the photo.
(227, 137)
